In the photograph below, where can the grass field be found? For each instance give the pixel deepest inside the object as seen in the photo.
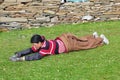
(102, 63)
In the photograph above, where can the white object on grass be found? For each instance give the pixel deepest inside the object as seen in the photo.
(95, 34)
(105, 40)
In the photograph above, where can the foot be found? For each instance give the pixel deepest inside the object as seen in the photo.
(95, 34)
(105, 40)
(14, 58)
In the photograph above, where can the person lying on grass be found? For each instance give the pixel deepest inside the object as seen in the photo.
(62, 44)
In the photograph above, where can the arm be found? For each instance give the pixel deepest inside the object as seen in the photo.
(35, 56)
(24, 52)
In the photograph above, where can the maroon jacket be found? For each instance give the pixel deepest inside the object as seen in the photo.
(49, 47)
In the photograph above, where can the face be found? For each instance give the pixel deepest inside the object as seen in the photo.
(37, 45)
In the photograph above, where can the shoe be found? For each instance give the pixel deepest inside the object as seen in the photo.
(105, 40)
(95, 34)
(14, 58)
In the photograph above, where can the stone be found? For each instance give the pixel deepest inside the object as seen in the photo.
(117, 1)
(47, 24)
(113, 13)
(110, 16)
(25, 15)
(87, 4)
(36, 25)
(51, 7)
(11, 25)
(1, 1)
(69, 4)
(92, 0)
(62, 13)
(87, 17)
(36, 4)
(69, 19)
(54, 2)
(54, 19)
(3, 29)
(76, 14)
(8, 19)
(14, 24)
(35, 9)
(50, 1)
(49, 11)
(43, 19)
(24, 1)
(115, 18)
(10, 1)
(14, 8)
(11, 12)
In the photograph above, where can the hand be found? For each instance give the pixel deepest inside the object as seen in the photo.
(13, 58)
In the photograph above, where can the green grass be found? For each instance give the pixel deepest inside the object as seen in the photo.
(102, 63)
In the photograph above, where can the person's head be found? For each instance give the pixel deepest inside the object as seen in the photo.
(37, 41)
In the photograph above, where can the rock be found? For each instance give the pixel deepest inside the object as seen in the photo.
(24, 0)
(97, 19)
(11, 13)
(14, 25)
(49, 2)
(47, 24)
(87, 4)
(43, 19)
(8, 19)
(49, 12)
(36, 25)
(112, 13)
(54, 19)
(10, 1)
(3, 29)
(24, 15)
(36, 4)
(110, 17)
(35, 9)
(11, 25)
(88, 17)
(1, 1)
(76, 14)
(62, 13)
(14, 8)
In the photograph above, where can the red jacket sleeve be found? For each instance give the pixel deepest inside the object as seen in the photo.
(34, 49)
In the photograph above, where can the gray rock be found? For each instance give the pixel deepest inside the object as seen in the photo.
(54, 19)
(8, 19)
(12, 25)
(10, 1)
(43, 19)
(87, 17)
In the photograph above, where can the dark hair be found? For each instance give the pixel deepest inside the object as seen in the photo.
(37, 38)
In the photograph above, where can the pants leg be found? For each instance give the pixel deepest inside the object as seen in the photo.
(85, 42)
(34, 56)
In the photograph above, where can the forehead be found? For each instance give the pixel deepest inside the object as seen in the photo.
(34, 43)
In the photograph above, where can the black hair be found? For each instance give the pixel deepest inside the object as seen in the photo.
(37, 38)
